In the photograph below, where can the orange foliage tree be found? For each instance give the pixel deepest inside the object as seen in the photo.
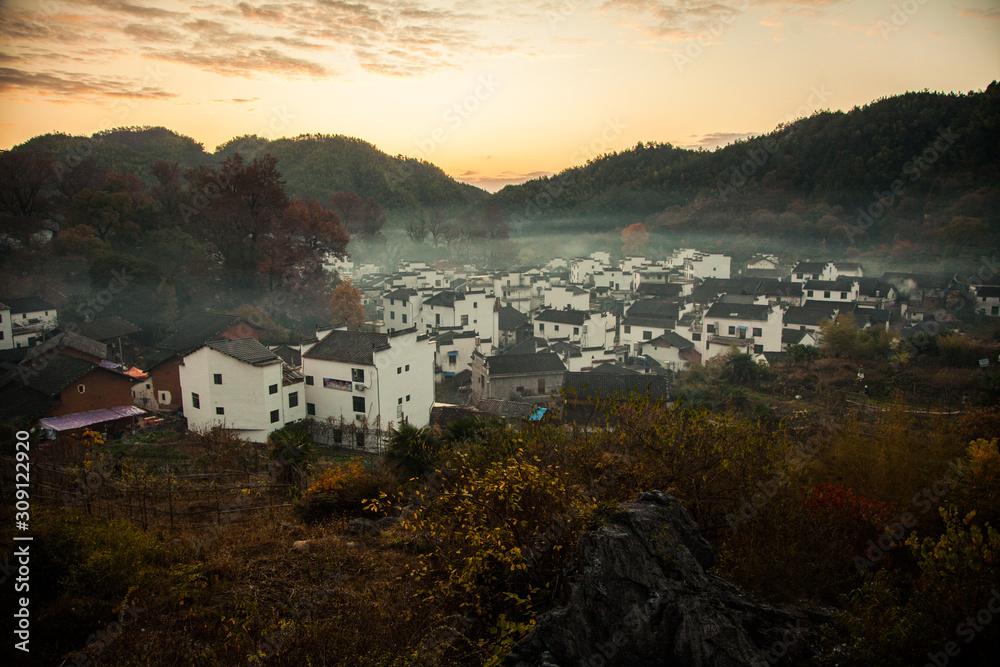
(345, 306)
(635, 237)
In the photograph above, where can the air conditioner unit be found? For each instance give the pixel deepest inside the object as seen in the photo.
(359, 387)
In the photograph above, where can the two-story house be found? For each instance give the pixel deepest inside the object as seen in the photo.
(810, 270)
(30, 318)
(467, 311)
(749, 327)
(580, 327)
(401, 309)
(242, 386)
(374, 378)
(559, 297)
(511, 376)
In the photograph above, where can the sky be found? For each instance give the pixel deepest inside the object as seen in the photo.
(493, 92)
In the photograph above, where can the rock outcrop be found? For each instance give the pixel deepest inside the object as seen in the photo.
(638, 595)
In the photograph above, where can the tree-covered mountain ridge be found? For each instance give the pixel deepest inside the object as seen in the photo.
(314, 165)
(816, 175)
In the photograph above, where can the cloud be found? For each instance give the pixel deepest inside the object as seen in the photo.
(495, 182)
(715, 139)
(682, 20)
(984, 14)
(72, 85)
(239, 100)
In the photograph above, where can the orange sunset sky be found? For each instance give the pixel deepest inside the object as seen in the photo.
(492, 92)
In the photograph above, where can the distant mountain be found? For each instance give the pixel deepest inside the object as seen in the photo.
(315, 165)
(810, 176)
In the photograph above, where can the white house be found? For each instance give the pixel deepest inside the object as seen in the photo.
(580, 270)
(516, 289)
(707, 265)
(763, 262)
(848, 270)
(31, 317)
(241, 385)
(749, 327)
(841, 290)
(569, 296)
(670, 350)
(467, 311)
(576, 326)
(988, 299)
(6, 332)
(453, 352)
(374, 378)
(809, 270)
(616, 280)
(400, 309)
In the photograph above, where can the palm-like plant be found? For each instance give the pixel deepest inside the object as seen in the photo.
(414, 449)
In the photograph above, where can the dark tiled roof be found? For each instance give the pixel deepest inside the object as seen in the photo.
(196, 329)
(107, 328)
(613, 369)
(989, 291)
(799, 315)
(738, 311)
(510, 318)
(570, 316)
(653, 322)
(922, 280)
(26, 304)
(510, 409)
(289, 355)
(654, 308)
(445, 299)
(57, 372)
(23, 404)
(403, 294)
(793, 336)
(524, 347)
(442, 415)
(247, 350)
(72, 341)
(844, 284)
(513, 364)
(809, 267)
(764, 273)
(661, 289)
(672, 339)
(591, 385)
(353, 347)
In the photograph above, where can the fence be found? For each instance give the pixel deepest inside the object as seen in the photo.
(154, 500)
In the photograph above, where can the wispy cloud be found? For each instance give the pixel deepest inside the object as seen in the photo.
(715, 140)
(983, 14)
(71, 85)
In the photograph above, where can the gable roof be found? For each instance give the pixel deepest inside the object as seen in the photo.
(353, 347)
(444, 299)
(671, 339)
(654, 308)
(247, 350)
(27, 304)
(60, 371)
(568, 316)
(70, 340)
(810, 267)
(107, 328)
(289, 355)
(800, 315)
(195, 329)
(510, 318)
(739, 311)
(514, 364)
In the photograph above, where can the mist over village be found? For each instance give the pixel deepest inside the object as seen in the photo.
(522, 334)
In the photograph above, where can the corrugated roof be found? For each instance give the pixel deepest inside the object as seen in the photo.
(354, 347)
(247, 350)
(81, 419)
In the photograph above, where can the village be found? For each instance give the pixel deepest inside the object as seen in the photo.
(449, 340)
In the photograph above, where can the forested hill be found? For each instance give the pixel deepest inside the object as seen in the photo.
(315, 165)
(943, 147)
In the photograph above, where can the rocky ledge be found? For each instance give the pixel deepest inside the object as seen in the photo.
(638, 595)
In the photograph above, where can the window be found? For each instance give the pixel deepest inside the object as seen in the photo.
(465, 320)
(799, 276)
(399, 401)
(220, 411)
(757, 332)
(81, 388)
(407, 398)
(218, 378)
(274, 416)
(843, 295)
(273, 389)
(404, 318)
(1, 335)
(359, 403)
(809, 293)
(309, 380)
(647, 335)
(392, 302)
(576, 331)
(711, 328)
(557, 327)
(311, 409)
(732, 331)
(995, 310)
(399, 370)
(195, 400)
(358, 374)
(541, 327)
(293, 399)
(758, 349)
(407, 368)
(392, 314)
(437, 318)
(696, 336)
(826, 295)
(475, 304)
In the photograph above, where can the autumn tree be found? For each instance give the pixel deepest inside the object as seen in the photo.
(25, 177)
(635, 237)
(345, 306)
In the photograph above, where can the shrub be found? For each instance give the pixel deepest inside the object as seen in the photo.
(293, 453)
(341, 491)
(413, 449)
